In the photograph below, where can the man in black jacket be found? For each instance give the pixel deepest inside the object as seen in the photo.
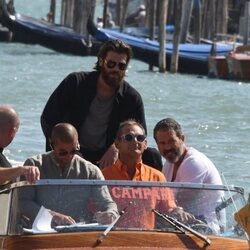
(96, 103)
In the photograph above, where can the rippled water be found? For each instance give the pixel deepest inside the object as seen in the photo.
(214, 113)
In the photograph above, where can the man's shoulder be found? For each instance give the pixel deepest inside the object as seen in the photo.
(197, 162)
(4, 162)
(38, 159)
(155, 173)
(82, 76)
(89, 166)
(198, 165)
(108, 169)
(112, 172)
(197, 156)
(128, 89)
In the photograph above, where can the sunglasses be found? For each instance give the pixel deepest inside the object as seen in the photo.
(130, 137)
(111, 64)
(64, 152)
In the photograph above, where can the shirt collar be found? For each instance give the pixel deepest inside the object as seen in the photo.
(120, 89)
(58, 165)
(139, 172)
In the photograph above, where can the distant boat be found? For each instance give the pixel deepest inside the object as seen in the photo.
(239, 66)
(234, 66)
(30, 30)
(193, 58)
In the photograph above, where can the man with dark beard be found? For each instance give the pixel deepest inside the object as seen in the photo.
(95, 103)
(186, 164)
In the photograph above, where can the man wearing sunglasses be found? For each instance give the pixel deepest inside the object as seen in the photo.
(63, 162)
(95, 103)
(131, 142)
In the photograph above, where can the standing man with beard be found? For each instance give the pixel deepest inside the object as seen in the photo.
(95, 103)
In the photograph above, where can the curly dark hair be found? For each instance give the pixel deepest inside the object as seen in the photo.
(117, 46)
(168, 124)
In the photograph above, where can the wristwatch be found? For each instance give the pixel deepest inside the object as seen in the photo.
(175, 209)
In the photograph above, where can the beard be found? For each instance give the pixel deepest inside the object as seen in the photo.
(113, 78)
(172, 155)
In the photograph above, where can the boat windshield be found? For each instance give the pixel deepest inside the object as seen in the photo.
(59, 206)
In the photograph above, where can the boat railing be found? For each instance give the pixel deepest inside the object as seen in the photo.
(212, 206)
(71, 182)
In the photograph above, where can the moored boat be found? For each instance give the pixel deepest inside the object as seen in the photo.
(193, 58)
(26, 29)
(137, 202)
(238, 66)
(218, 67)
(235, 65)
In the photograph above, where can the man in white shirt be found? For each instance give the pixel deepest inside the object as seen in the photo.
(186, 164)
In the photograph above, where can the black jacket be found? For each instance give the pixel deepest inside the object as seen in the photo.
(4, 163)
(71, 100)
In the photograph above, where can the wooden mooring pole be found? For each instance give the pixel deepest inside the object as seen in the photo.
(179, 5)
(52, 11)
(152, 15)
(162, 34)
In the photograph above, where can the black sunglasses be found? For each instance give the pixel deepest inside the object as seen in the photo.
(130, 137)
(66, 152)
(111, 64)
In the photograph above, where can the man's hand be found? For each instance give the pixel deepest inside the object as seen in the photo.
(31, 173)
(181, 215)
(109, 157)
(61, 219)
(104, 217)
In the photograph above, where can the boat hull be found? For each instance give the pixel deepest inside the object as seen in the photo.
(238, 66)
(192, 58)
(218, 67)
(185, 65)
(30, 30)
(118, 240)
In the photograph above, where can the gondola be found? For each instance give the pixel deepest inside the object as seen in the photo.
(193, 58)
(26, 29)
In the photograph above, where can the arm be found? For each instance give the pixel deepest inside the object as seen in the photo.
(106, 207)
(27, 197)
(61, 219)
(30, 173)
(109, 157)
(167, 203)
(137, 110)
(130, 106)
(58, 106)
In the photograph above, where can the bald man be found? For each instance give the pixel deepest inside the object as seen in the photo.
(9, 124)
(63, 162)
